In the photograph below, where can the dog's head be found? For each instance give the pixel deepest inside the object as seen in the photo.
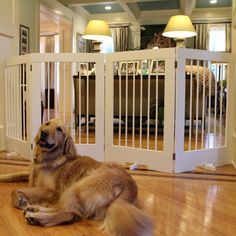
(54, 138)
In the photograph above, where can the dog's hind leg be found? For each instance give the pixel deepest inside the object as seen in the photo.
(49, 218)
(38, 208)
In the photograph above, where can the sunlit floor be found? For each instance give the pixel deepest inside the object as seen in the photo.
(152, 142)
(200, 203)
(212, 138)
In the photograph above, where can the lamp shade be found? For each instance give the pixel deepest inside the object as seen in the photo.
(97, 30)
(179, 26)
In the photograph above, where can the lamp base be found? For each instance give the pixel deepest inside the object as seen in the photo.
(180, 42)
(96, 46)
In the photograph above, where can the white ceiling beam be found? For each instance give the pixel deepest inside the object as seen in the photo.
(83, 2)
(88, 2)
(187, 6)
(55, 5)
(112, 17)
(157, 16)
(129, 1)
(92, 4)
(82, 11)
(214, 15)
(132, 10)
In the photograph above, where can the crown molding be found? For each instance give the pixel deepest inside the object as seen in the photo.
(56, 6)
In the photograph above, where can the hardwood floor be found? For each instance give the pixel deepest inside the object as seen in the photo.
(196, 203)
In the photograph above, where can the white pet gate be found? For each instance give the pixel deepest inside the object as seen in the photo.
(165, 109)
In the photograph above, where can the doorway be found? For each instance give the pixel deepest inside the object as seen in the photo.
(55, 37)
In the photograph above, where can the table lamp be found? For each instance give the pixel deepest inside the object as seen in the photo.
(179, 27)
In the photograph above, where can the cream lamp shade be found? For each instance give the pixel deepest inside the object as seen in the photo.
(97, 30)
(179, 27)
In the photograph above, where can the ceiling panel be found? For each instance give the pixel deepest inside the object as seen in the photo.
(207, 4)
(159, 5)
(151, 11)
(100, 8)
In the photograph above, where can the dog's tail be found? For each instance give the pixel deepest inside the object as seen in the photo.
(123, 218)
(14, 177)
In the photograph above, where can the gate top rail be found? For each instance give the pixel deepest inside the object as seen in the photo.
(127, 55)
(55, 57)
(162, 53)
(197, 54)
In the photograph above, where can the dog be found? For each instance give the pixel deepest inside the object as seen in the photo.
(66, 187)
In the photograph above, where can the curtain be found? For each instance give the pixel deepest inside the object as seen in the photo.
(49, 43)
(89, 45)
(201, 41)
(217, 34)
(228, 36)
(120, 34)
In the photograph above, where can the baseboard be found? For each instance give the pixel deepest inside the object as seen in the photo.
(234, 164)
(1, 138)
(234, 134)
(234, 161)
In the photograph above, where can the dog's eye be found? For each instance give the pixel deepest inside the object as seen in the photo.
(47, 123)
(59, 129)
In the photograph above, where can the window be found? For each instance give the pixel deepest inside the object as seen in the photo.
(107, 45)
(217, 37)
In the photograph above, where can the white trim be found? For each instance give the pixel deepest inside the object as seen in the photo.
(55, 5)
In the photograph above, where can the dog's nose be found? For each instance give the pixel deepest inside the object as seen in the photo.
(43, 135)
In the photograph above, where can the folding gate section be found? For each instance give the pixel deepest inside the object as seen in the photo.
(66, 86)
(18, 104)
(139, 114)
(202, 118)
(72, 90)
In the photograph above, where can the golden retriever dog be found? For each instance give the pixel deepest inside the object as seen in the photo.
(66, 187)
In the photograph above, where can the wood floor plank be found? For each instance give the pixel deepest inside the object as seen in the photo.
(178, 203)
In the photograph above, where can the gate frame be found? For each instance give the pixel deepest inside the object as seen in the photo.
(154, 160)
(188, 160)
(177, 160)
(33, 95)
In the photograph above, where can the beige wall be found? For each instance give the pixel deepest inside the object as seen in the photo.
(7, 37)
(16, 12)
(233, 144)
(28, 11)
(79, 24)
(12, 14)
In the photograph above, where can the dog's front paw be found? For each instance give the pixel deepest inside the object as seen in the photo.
(31, 219)
(30, 208)
(18, 199)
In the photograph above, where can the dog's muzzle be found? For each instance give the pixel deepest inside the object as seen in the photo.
(43, 140)
(43, 135)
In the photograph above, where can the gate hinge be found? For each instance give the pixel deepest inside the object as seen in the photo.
(174, 156)
(176, 64)
(31, 67)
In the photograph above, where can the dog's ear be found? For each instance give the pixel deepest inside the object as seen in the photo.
(70, 150)
(37, 137)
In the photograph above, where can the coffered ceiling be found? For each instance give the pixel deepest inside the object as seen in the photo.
(151, 11)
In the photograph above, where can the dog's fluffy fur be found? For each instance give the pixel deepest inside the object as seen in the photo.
(65, 187)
